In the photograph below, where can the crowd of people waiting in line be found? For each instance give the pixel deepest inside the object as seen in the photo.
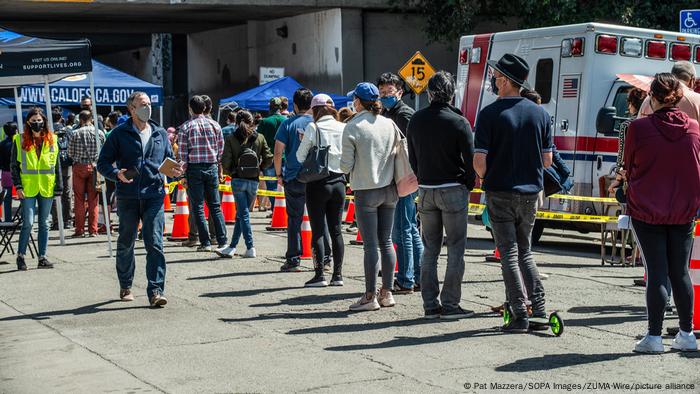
(509, 151)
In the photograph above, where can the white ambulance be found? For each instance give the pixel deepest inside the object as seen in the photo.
(575, 69)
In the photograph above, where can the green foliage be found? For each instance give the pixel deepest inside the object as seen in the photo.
(447, 20)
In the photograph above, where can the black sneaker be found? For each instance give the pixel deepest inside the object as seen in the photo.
(337, 280)
(456, 313)
(431, 314)
(416, 288)
(518, 326)
(290, 267)
(44, 263)
(317, 281)
(21, 265)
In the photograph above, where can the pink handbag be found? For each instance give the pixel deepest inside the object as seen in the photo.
(405, 179)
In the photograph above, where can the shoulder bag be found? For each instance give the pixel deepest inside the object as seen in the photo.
(405, 179)
(315, 166)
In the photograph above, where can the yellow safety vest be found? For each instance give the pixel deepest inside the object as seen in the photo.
(38, 173)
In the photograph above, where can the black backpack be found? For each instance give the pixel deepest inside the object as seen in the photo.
(248, 161)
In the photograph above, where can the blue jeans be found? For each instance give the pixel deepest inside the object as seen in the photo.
(409, 246)
(295, 196)
(244, 192)
(512, 217)
(150, 213)
(29, 205)
(271, 185)
(374, 210)
(203, 184)
(443, 208)
(7, 203)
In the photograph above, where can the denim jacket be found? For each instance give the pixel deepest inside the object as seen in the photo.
(123, 147)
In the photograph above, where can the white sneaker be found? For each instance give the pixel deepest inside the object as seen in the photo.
(685, 342)
(226, 251)
(649, 345)
(250, 253)
(386, 300)
(363, 304)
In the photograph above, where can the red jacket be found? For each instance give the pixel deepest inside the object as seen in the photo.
(662, 158)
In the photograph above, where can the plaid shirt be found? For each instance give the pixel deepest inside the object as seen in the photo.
(200, 141)
(82, 145)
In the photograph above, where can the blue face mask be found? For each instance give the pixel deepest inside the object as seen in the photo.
(389, 102)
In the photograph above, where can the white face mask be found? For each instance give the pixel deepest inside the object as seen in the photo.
(143, 113)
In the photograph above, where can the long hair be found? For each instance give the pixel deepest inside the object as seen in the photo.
(27, 137)
(246, 125)
(666, 89)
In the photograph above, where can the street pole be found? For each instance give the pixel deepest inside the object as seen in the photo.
(105, 209)
(417, 101)
(57, 199)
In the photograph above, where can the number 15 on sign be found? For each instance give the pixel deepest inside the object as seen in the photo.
(417, 72)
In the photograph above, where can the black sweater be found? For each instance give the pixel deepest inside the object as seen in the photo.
(441, 146)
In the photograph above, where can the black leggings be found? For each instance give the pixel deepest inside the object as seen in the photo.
(666, 253)
(325, 201)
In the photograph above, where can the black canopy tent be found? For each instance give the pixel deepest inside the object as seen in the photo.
(30, 60)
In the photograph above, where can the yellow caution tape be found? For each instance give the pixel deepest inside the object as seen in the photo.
(268, 178)
(478, 209)
(569, 197)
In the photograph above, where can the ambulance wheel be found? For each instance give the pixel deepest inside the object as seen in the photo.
(556, 323)
(537, 232)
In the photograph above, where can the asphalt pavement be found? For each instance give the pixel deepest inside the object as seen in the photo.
(240, 325)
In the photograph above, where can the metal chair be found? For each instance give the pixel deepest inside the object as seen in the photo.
(8, 231)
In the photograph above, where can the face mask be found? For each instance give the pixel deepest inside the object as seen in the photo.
(36, 126)
(494, 87)
(389, 102)
(143, 113)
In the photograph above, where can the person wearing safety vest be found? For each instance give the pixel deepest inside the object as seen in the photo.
(36, 173)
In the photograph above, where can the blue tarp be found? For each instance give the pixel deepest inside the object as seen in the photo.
(112, 87)
(258, 98)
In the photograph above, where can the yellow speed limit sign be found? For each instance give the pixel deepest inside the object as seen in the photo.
(416, 72)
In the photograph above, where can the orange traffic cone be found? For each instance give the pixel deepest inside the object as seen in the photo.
(181, 227)
(306, 252)
(358, 240)
(350, 216)
(279, 213)
(228, 204)
(167, 205)
(14, 193)
(495, 257)
(694, 270)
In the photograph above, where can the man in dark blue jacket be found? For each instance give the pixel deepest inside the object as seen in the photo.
(138, 147)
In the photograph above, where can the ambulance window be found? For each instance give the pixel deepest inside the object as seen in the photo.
(620, 101)
(543, 79)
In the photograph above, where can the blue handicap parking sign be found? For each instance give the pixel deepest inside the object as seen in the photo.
(690, 21)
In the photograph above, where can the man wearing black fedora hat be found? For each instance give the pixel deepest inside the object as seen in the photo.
(513, 144)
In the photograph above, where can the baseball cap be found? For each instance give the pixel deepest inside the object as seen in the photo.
(365, 91)
(683, 67)
(321, 100)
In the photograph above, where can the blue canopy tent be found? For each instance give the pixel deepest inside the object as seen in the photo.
(258, 98)
(112, 87)
(29, 60)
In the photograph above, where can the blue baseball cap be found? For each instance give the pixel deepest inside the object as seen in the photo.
(365, 91)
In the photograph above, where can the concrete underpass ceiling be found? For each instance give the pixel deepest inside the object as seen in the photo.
(114, 25)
